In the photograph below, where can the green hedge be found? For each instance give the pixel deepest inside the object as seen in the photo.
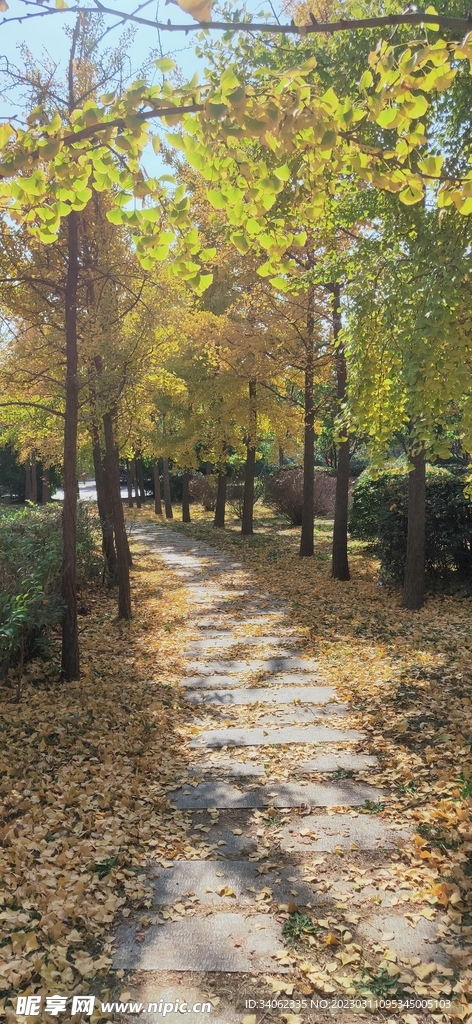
(30, 576)
(379, 512)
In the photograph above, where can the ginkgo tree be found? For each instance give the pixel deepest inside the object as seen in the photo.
(50, 167)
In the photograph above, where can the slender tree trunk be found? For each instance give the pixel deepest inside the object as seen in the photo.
(220, 509)
(414, 585)
(185, 498)
(28, 479)
(308, 511)
(129, 484)
(247, 523)
(208, 468)
(281, 457)
(112, 467)
(70, 635)
(340, 564)
(34, 480)
(45, 485)
(157, 488)
(104, 508)
(167, 499)
(134, 480)
(140, 477)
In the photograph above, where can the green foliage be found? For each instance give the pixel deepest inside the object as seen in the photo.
(379, 511)
(30, 577)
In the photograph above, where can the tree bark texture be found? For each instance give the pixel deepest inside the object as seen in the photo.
(308, 511)
(34, 480)
(157, 488)
(45, 485)
(140, 477)
(340, 563)
(414, 584)
(28, 480)
(185, 498)
(220, 509)
(129, 484)
(104, 508)
(70, 637)
(112, 468)
(247, 523)
(167, 499)
(134, 479)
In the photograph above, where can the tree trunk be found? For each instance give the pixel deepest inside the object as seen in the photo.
(28, 479)
(247, 523)
(413, 590)
(308, 511)
(220, 509)
(281, 457)
(70, 635)
(167, 500)
(157, 488)
(208, 468)
(140, 477)
(134, 480)
(185, 498)
(129, 484)
(34, 480)
(45, 486)
(112, 467)
(104, 508)
(340, 564)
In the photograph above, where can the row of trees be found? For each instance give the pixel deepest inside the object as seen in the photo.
(320, 293)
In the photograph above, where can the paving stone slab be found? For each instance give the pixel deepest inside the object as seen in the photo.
(218, 942)
(270, 665)
(238, 769)
(160, 992)
(330, 831)
(205, 880)
(265, 737)
(409, 939)
(262, 694)
(213, 793)
(343, 759)
(222, 642)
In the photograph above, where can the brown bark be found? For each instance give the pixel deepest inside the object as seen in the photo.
(340, 563)
(45, 485)
(185, 498)
(140, 477)
(105, 511)
(167, 499)
(70, 636)
(308, 511)
(157, 489)
(34, 480)
(28, 479)
(247, 523)
(112, 468)
(414, 584)
(134, 482)
(281, 457)
(220, 509)
(129, 484)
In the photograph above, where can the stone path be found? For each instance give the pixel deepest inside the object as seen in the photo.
(217, 929)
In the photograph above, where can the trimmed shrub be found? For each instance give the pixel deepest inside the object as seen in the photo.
(203, 490)
(235, 495)
(30, 576)
(379, 512)
(285, 494)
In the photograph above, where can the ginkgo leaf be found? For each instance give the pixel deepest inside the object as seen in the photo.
(199, 9)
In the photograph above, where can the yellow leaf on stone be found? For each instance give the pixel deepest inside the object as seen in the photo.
(424, 970)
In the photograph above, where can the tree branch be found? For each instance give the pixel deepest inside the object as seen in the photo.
(34, 405)
(460, 25)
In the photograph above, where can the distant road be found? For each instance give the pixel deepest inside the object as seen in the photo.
(88, 491)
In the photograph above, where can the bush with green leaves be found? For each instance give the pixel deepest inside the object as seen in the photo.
(379, 512)
(30, 576)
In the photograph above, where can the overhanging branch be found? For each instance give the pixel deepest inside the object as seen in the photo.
(459, 25)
